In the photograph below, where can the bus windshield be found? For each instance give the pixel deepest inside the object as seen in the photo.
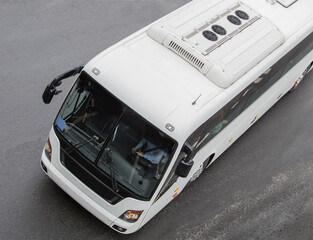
(115, 139)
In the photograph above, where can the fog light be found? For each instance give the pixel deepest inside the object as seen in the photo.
(118, 228)
(131, 215)
(43, 167)
(48, 149)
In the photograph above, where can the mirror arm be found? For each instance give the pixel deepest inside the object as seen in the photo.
(186, 163)
(190, 151)
(51, 90)
(70, 73)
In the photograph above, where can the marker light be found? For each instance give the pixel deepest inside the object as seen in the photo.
(48, 149)
(131, 215)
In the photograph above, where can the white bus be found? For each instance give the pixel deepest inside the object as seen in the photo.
(146, 116)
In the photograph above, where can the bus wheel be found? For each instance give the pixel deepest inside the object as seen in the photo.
(305, 72)
(201, 168)
(197, 173)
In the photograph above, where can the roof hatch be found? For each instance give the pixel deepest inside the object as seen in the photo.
(222, 45)
(286, 3)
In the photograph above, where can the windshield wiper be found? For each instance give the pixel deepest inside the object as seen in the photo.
(108, 154)
(114, 130)
(113, 179)
(76, 146)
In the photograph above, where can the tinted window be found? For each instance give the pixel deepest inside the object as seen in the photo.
(113, 139)
(247, 96)
(297, 53)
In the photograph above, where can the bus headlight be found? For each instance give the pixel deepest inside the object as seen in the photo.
(131, 215)
(48, 149)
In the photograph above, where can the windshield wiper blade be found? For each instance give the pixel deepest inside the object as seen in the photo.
(108, 153)
(94, 138)
(113, 179)
(114, 129)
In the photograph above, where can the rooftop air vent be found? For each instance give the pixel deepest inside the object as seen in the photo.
(241, 14)
(233, 19)
(223, 43)
(186, 54)
(210, 35)
(219, 30)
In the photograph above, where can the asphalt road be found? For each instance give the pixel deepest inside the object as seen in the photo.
(261, 188)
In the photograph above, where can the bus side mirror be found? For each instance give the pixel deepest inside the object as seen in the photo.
(48, 94)
(185, 165)
(51, 90)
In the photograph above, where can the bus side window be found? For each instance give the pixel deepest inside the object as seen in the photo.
(250, 94)
(234, 107)
(207, 131)
(172, 177)
(296, 54)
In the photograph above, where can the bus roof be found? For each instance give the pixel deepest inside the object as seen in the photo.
(224, 39)
(152, 80)
(165, 86)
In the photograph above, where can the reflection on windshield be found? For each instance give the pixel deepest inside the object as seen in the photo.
(118, 141)
(137, 152)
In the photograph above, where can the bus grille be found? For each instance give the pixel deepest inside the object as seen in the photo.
(95, 184)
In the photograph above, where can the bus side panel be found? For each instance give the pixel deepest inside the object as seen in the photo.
(247, 118)
(168, 196)
(233, 131)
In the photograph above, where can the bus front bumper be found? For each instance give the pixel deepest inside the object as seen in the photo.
(84, 200)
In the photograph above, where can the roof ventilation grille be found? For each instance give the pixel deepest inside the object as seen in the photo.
(186, 55)
(235, 7)
(229, 36)
(220, 29)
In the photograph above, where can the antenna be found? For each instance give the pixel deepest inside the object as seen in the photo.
(195, 101)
